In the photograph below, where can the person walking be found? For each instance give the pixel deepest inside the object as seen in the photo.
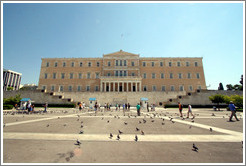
(80, 106)
(180, 109)
(129, 106)
(138, 109)
(233, 111)
(190, 111)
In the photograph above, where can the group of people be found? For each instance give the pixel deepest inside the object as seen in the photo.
(125, 106)
(152, 106)
(231, 106)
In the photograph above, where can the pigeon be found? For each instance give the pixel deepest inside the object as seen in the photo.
(78, 116)
(77, 119)
(213, 114)
(82, 121)
(125, 123)
(120, 132)
(118, 117)
(163, 123)
(47, 125)
(139, 122)
(102, 118)
(78, 142)
(173, 122)
(190, 127)
(142, 132)
(65, 125)
(163, 119)
(137, 129)
(114, 116)
(108, 121)
(118, 137)
(58, 117)
(211, 129)
(4, 125)
(152, 120)
(195, 148)
(144, 121)
(81, 126)
(192, 121)
(223, 116)
(136, 138)
(171, 119)
(110, 135)
(183, 118)
(81, 132)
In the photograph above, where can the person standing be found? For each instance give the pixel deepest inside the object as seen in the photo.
(180, 109)
(129, 106)
(233, 111)
(80, 106)
(45, 107)
(190, 111)
(147, 106)
(138, 109)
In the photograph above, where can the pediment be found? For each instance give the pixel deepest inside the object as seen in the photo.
(121, 54)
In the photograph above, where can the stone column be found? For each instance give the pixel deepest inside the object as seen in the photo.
(131, 87)
(136, 83)
(109, 86)
(122, 86)
(105, 86)
(140, 86)
(127, 87)
(101, 86)
(114, 86)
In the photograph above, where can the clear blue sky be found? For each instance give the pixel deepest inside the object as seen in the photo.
(213, 31)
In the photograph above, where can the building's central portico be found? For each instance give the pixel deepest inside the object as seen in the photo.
(120, 84)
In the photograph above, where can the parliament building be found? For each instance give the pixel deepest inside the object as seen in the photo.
(122, 72)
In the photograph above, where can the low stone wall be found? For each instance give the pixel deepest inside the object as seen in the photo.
(202, 98)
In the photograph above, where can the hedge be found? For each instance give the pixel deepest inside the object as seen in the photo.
(196, 106)
(70, 105)
(7, 107)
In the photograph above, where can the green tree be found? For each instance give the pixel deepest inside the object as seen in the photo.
(237, 100)
(12, 100)
(220, 87)
(10, 88)
(238, 87)
(229, 86)
(218, 98)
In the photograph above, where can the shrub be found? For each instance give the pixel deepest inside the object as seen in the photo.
(218, 98)
(7, 107)
(12, 100)
(237, 100)
(70, 105)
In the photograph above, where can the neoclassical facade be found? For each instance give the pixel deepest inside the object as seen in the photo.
(122, 72)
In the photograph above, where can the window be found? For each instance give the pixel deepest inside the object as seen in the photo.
(81, 64)
(180, 75)
(172, 88)
(55, 64)
(71, 75)
(152, 64)
(163, 88)
(133, 74)
(109, 64)
(144, 75)
(124, 62)
(47, 64)
(178, 64)
(96, 88)
(64, 64)
(144, 64)
(98, 64)
(120, 62)
(196, 64)
(72, 64)
(116, 63)
(189, 75)
(197, 75)
(87, 88)
(52, 88)
(88, 75)
(97, 75)
(54, 75)
(89, 64)
(153, 75)
(124, 73)
(187, 64)
(170, 64)
(133, 64)
(61, 88)
(181, 88)
(108, 74)
(161, 64)
(80, 75)
(44, 87)
(162, 75)
(121, 73)
(190, 88)
(45, 75)
(70, 88)
(116, 73)
(145, 88)
(62, 75)
(171, 75)
(153, 88)
(79, 88)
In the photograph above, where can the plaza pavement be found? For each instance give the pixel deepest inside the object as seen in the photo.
(51, 137)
